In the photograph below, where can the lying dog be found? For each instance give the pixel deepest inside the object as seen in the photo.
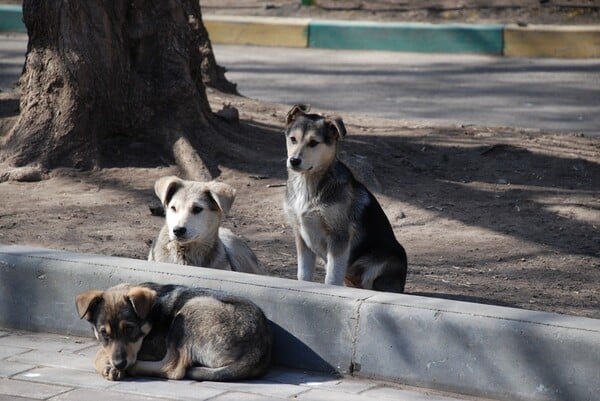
(192, 234)
(334, 216)
(176, 332)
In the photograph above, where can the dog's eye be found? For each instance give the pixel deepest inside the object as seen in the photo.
(129, 331)
(197, 209)
(173, 208)
(293, 140)
(312, 144)
(104, 333)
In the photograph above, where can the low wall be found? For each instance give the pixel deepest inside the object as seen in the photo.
(482, 350)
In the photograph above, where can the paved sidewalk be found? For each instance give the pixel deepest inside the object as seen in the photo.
(41, 366)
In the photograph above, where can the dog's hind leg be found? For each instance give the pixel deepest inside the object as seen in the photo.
(393, 276)
(306, 259)
(371, 273)
(389, 284)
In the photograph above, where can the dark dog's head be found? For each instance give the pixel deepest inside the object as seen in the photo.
(311, 139)
(118, 316)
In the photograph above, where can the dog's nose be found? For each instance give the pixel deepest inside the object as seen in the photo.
(120, 363)
(179, 231)
(295, 162)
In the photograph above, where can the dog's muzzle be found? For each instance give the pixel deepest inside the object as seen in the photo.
(295, 162)
(119, 360)
(179, 232)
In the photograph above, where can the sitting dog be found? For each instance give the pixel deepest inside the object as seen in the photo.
(192, 234)
(176, 332)
(334, 216)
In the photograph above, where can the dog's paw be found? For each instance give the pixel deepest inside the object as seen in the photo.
(110, 373)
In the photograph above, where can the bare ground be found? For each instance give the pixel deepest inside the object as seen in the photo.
(523, 12)
(486, 214)
(490, 215)
(437, 11)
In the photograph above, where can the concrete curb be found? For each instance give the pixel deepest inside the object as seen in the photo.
(552, 41)
(408, 37)
(494, 39)
(474, 349)
(239, 30)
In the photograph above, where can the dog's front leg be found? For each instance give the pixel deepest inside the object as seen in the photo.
(337, 264)
(104, 366)
(149, 369)
(172, 366)
(306, 259)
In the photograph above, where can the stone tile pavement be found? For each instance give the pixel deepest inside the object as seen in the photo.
(42, 366)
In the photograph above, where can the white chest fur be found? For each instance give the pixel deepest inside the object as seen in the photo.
(306, 214)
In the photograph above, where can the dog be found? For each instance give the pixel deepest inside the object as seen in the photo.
(192, 234)
(176, 332)
(333, 215)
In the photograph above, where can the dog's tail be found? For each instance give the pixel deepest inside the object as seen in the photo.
(235, 371)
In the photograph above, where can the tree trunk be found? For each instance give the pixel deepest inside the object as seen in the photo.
(115, 83)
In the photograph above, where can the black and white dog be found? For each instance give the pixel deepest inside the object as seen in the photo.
(334, 216)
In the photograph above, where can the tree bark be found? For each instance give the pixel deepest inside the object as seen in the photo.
(115, 83)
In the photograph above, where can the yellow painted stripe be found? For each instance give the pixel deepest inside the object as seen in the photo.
(260, 31)
(552, 41)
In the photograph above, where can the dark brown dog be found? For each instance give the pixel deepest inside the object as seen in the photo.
(176, 332)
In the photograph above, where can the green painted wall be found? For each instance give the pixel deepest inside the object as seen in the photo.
(411, 37)
(11, 19)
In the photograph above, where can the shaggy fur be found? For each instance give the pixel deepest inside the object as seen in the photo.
(176, 332)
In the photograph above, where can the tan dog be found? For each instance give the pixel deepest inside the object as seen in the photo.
(176, 332)
(192, 234)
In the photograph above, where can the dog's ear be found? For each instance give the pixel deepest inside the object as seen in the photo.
(142, 299)
(166, 187)
(295, 111)
(336, 126)
(223, 194)
(86, 303)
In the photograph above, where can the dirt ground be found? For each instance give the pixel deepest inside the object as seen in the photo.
(489, 215)
(435, 11)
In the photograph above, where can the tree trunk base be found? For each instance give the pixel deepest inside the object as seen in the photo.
(116, 83)
(21, 174)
